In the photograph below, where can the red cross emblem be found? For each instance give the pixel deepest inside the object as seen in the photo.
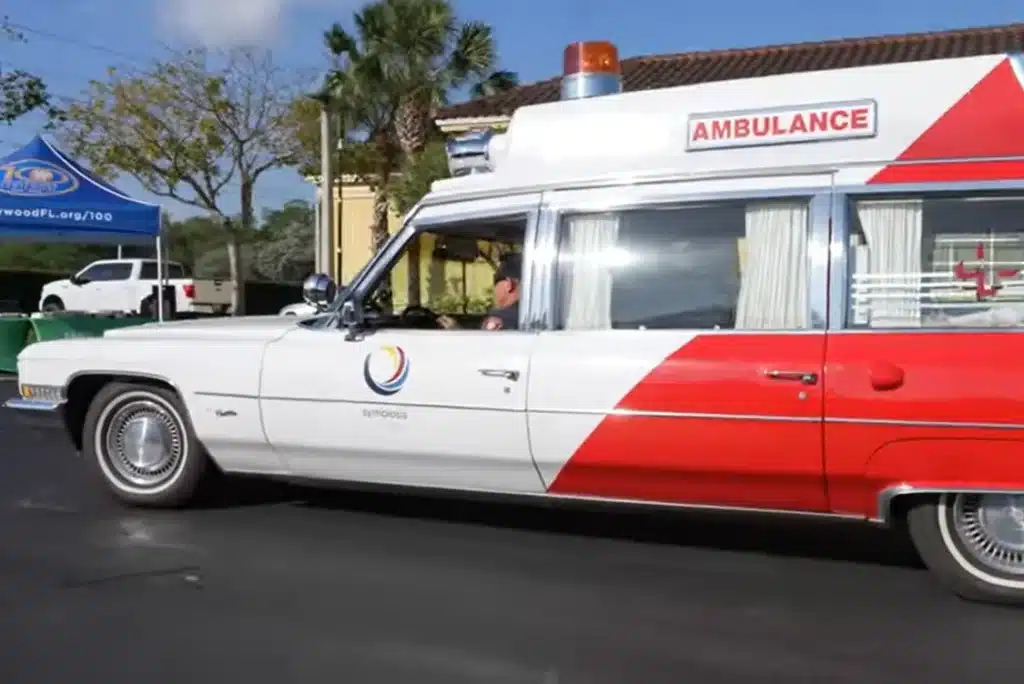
(984, 288)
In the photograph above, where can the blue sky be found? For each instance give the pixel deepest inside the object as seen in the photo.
(71, 41)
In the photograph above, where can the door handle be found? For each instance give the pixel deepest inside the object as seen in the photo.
(795, 376)
(512, 375)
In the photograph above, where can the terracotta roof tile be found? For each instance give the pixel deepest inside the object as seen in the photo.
(688, 68)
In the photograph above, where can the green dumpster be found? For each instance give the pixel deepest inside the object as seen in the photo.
(16, 333)
(13, 335)
(62, 327)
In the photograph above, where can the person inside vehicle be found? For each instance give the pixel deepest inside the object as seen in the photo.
(505, 314)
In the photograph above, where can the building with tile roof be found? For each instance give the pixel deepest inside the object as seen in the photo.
(354, 203)
(690, 68)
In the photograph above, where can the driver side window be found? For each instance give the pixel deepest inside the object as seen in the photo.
(107, 272)
(447, 270)
(91, 273)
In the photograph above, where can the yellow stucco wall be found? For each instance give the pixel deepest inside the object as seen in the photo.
(440, 281)
(353, 221)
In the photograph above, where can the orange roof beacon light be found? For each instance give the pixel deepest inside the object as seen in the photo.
(590, 68)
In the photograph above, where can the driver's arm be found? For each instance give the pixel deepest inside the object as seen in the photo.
(447, 322)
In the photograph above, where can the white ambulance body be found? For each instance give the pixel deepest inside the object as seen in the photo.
(798, 293)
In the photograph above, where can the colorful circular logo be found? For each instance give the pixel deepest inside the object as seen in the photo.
(386, 370)
(35, 178)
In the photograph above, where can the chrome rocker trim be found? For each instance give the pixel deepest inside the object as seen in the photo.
(888, 495)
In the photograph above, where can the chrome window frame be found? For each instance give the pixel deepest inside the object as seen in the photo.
(828, 239)
(820, 201)
(840, 278)
(523, 205)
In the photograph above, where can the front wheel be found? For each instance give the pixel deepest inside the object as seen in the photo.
(52, 305)
(973, 543)
(140, 442)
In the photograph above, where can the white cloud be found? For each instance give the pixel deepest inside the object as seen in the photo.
(228, 23)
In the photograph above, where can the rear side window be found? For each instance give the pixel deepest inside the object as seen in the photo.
(935, 262)
(725, 265)
(149, 271)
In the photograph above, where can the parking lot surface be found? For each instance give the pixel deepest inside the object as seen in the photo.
(280, 584)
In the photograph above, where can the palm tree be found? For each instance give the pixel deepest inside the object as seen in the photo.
(497, 82)
(366, 104)
(404, 59)
(424, 54)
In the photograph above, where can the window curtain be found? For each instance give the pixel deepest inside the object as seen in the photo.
(773, 287)
(859, 268)
(888, 286)
(589, 251)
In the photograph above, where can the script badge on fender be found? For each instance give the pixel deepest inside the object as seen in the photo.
(386, 369)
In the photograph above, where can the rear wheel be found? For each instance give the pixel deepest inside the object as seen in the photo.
(148, 309)
(973, 543)
(139, 440)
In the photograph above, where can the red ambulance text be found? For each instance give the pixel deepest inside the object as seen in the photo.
(798, 124)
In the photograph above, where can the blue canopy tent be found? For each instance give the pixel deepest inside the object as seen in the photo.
(47, 197)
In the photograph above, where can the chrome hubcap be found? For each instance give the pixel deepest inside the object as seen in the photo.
(144, 443)
(991, 527)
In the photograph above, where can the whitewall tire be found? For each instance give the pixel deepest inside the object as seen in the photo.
(973, 543)
(139, 440)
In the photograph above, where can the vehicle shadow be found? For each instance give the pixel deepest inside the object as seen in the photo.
(222, 492)
(790, 536)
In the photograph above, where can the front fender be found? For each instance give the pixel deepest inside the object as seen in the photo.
(53, 289)
(217, 379)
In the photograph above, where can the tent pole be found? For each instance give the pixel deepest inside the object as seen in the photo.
(160, 272)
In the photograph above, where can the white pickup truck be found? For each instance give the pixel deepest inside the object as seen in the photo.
(126, 285)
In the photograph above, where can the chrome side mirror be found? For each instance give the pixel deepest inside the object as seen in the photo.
(318, 290)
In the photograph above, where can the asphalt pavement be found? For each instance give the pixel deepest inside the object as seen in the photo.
(279, 584)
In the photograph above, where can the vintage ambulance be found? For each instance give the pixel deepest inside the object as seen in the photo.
(793, 294)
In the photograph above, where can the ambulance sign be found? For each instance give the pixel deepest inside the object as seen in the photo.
(782, 125)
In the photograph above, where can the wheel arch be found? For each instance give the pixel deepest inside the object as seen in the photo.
(894, 502)
(902, 472)
(83, 387)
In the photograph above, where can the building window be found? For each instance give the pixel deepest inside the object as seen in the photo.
(937, 262)
(729, 265)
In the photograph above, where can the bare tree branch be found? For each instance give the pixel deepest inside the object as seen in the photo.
(190, 126)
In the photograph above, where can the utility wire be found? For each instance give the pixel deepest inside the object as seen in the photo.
(69, 40)
(131, 57)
